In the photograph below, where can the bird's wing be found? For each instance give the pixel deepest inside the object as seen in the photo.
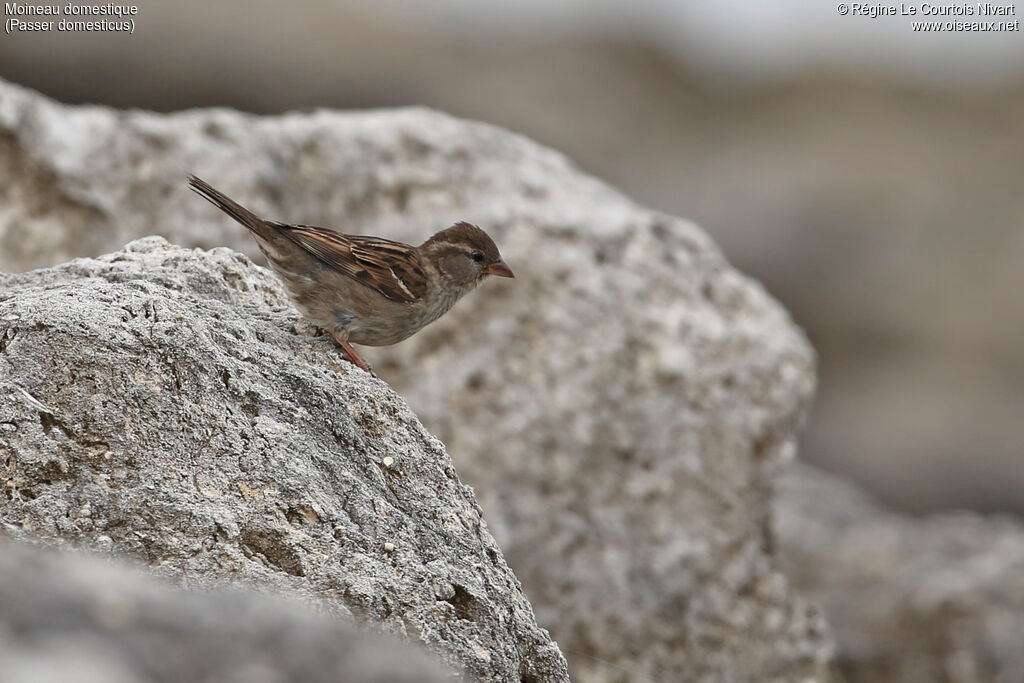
(392, 268)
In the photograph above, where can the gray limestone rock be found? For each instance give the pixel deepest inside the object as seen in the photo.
(622, 407)
(158, 403)
(939, 598)
(66, 617)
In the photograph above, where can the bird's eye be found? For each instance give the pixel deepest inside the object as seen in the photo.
(477, 256)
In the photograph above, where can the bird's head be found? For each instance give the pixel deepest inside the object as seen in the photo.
(465, 254)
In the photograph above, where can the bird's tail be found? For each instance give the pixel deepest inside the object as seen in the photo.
(231, 207)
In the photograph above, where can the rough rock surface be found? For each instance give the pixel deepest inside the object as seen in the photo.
(911, 600)
(67, 617)
(157, 402)
(621, 407)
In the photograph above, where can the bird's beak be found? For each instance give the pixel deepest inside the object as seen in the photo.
(500, 269)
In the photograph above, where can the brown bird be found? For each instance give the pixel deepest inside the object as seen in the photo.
(368, 290)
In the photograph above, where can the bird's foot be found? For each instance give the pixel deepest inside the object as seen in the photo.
(305, 328)
(353, 357)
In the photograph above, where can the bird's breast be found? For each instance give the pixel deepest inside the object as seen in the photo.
(395, 322)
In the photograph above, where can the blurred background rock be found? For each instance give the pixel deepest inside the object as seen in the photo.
(869, 175)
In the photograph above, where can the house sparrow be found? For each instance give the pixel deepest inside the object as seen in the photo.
(368, 290)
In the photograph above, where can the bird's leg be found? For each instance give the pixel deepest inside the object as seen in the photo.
(351, 355)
